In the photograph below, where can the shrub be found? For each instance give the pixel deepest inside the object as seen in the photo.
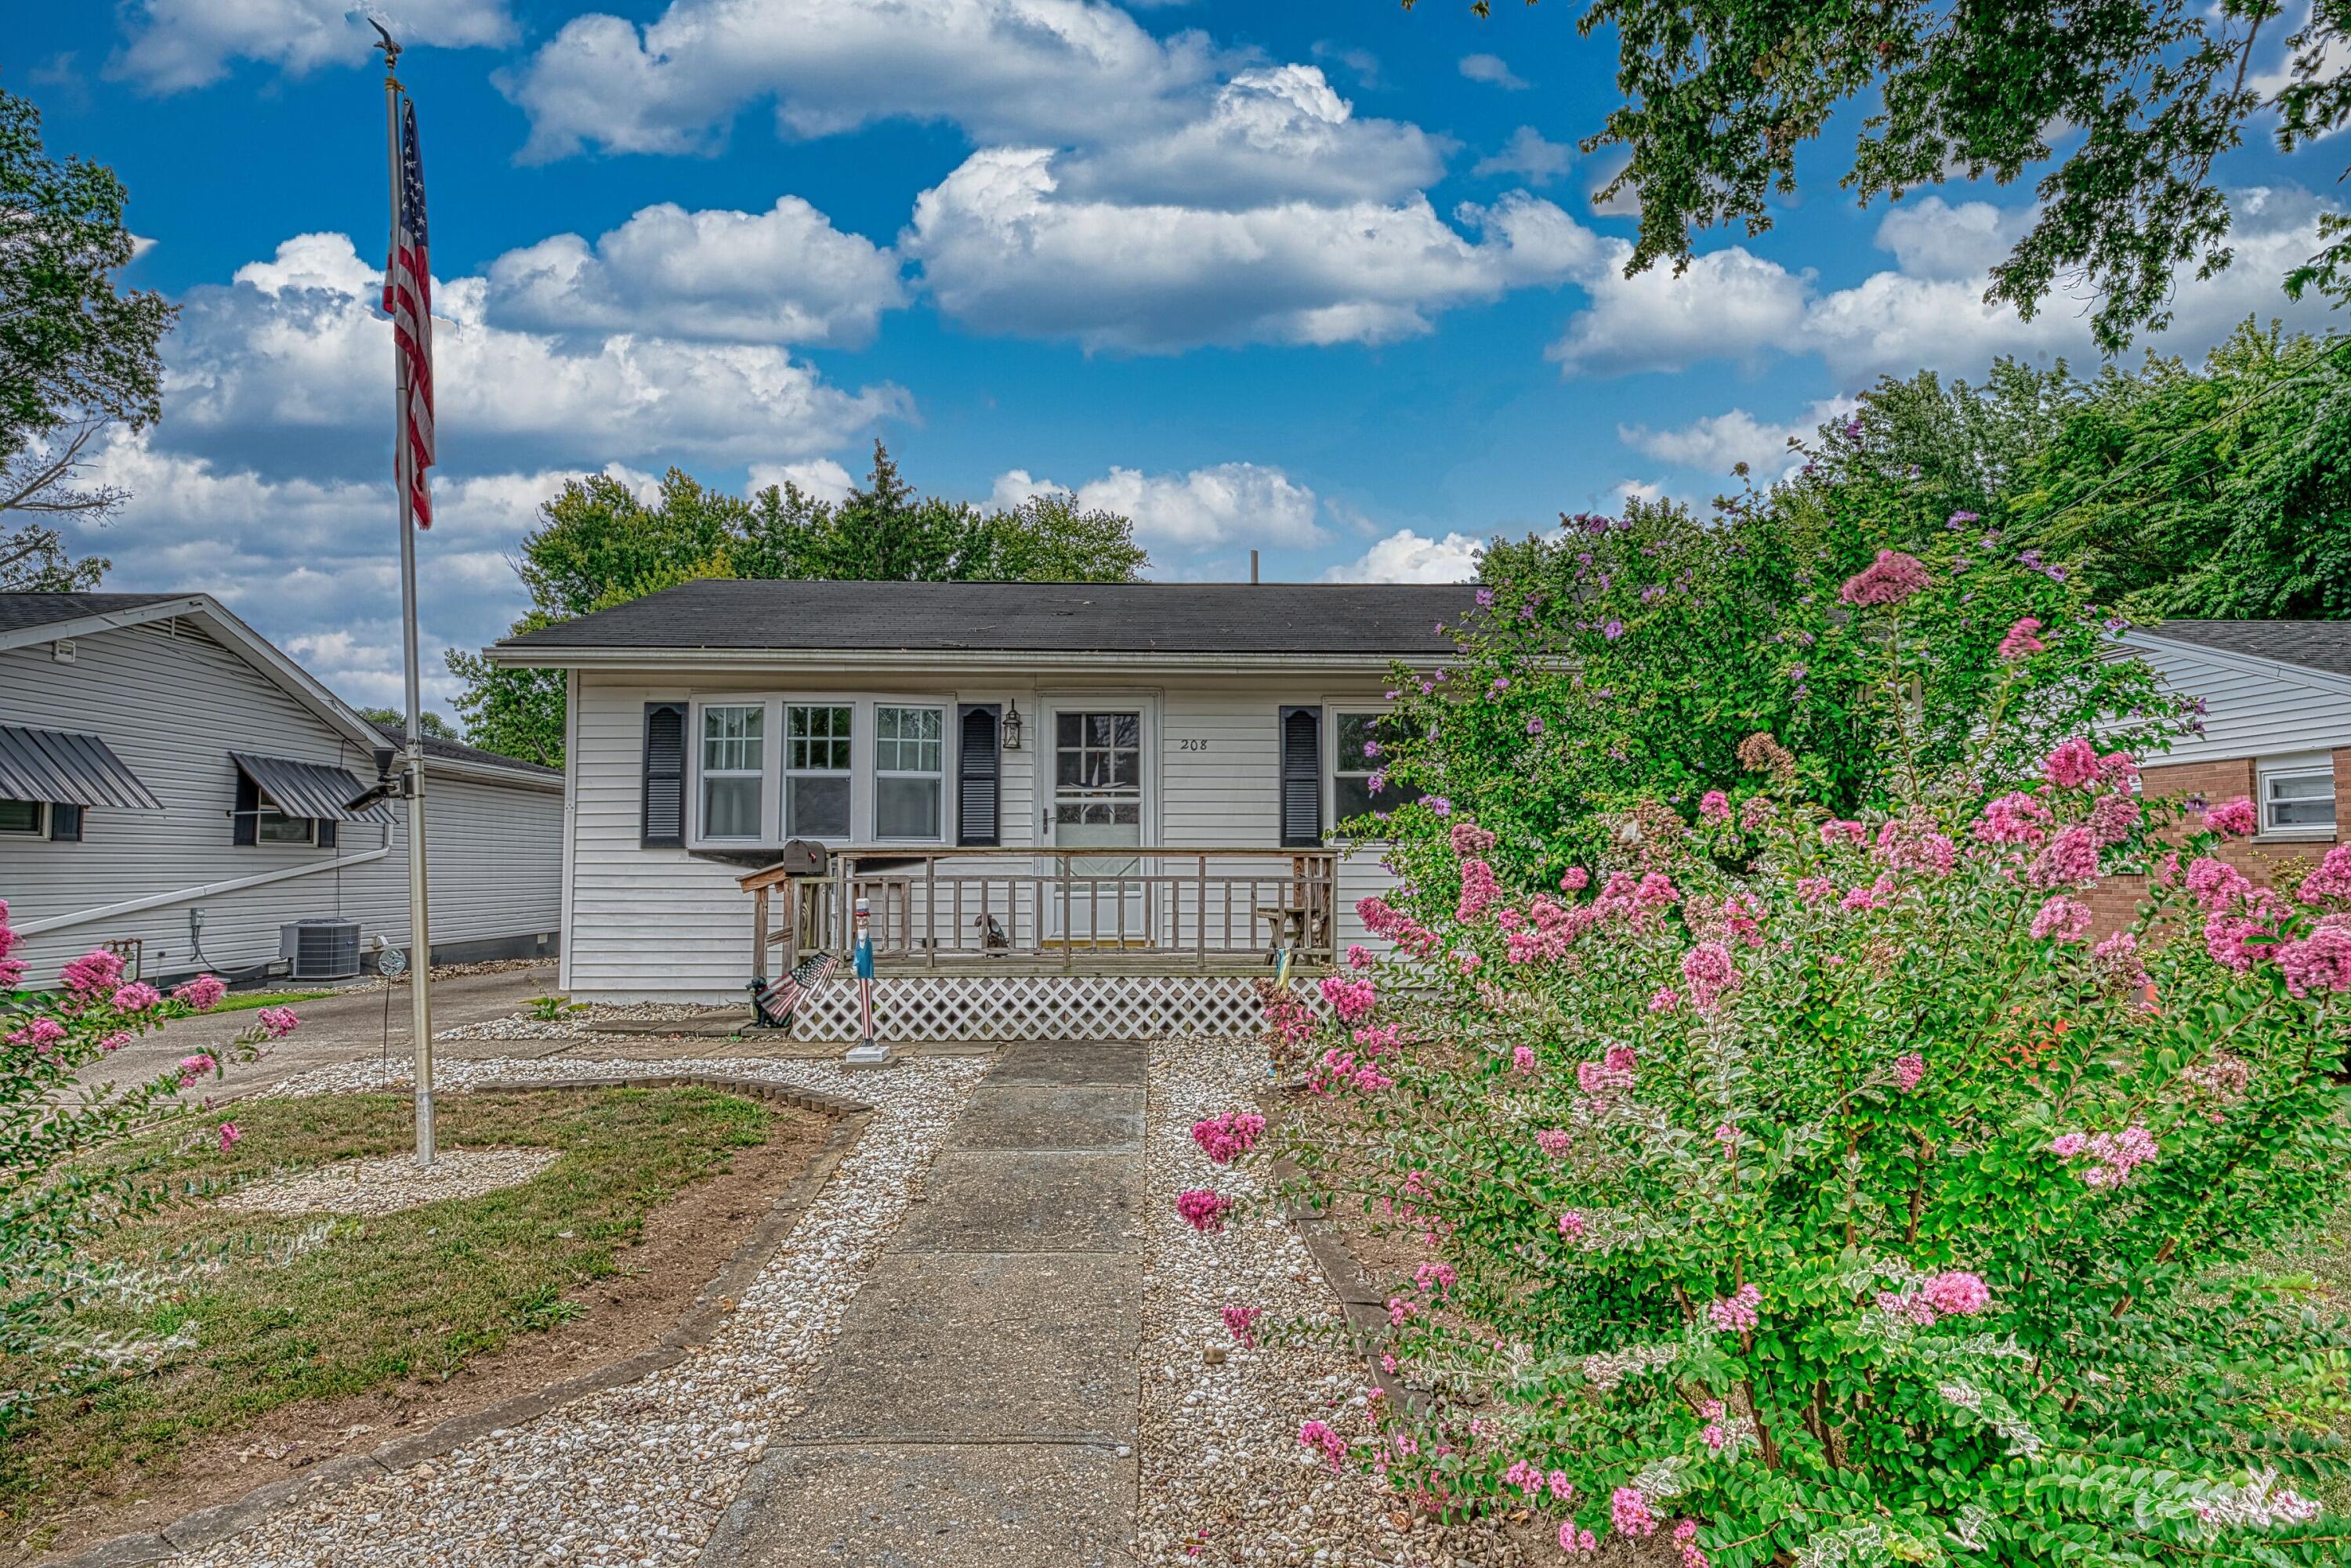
(1627, 660)
(51, 1209)
(1809, 1188)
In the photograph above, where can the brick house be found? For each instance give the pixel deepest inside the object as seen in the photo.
(2276, 730)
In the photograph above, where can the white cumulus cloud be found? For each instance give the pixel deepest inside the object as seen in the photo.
(175, 45)
(1245, 504)
(1057, 70)
(1528, 155)
(1493, 70)
(286, 370)
(784, 276)
(1004, 249)
(1721, 441)
(1408, 557)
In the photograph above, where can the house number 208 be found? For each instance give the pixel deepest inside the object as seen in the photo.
(1191, 746)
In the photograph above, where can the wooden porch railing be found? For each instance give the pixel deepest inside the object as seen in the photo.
(1193, 907)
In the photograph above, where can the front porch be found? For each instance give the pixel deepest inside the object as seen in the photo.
(1051, 944)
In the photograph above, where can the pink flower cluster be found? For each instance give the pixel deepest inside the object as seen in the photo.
(2319, 962)
(278, 1022)
(1686, 1537)
(1913, 846)
(91, 974)
(1203, 1210)
(1479, 890)
(1842, 830)
(1665, 999)
(1628, 1511)
(2013, 819)
(1340, 1070)
(1522, 1060)
(1907, 1071)
(41, 1035)
(1954, 1294)
(2113, 817)
(1436, 1278)
(2023, 641)
(1319, 1436)
(2068, 859)
(1714, 806)
(1552, 1141)
(1573, 1540)
(1574, 879)
(2232, 819)
(1468, 839)
(193, 1068)
(2331, 880)
(1736, 1312)
(2073, 765)
(2065, 919)
(1226, 1138)
(1711, 975)
(2117, 958)
(1892, 578)
(1383, 919)
(1571, 1225)
(138, 997)
(229, 1134)
(1611, 1075)
(2116, 1155)
(11, 969)
(203, 993)
(1352, 1001)
(1240, 1322)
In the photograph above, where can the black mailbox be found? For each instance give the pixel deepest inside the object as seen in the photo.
(802, 857)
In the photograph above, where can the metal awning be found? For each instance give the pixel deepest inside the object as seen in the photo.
(307, 788)
(67, 769)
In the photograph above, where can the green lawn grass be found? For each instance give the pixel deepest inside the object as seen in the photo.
(385, 1299)
(245, 1001)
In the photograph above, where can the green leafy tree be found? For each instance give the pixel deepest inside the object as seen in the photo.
(1720, 95)
(599, 545)
(2172, 489)
(78, 355)
(435, 725)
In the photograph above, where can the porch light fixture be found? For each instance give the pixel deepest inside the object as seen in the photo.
(1012, 727)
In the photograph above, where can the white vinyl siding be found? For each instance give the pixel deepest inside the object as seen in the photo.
(2252, 707)
(172, 702)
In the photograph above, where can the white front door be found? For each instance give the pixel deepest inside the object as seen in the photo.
(1095, 799)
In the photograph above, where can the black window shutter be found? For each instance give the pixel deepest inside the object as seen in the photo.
(663, 823)
(978, 775)
(246, 828)
(1301, 777)
(65, 824)
(326, 834)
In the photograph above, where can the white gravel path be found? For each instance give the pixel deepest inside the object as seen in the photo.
(640, 1473)
(389, 1183)
(1225, 1480)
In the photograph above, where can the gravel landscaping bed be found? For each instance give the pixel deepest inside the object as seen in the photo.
(390, 1184)
(640, 1473)
(652, 1015)
(1224, 1478)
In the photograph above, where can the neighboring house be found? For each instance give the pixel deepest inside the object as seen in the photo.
(2275, 718)
(169, 778)
(1073, 809)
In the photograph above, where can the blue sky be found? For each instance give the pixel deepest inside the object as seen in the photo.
(1320, 278)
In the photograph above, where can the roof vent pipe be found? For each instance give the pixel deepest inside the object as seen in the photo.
(1252, 566)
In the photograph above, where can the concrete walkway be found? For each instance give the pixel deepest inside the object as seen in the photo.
(979, 1406)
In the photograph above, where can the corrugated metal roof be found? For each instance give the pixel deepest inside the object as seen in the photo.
(68, 770)
(307, 788)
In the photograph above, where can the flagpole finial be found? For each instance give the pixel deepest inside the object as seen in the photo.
(389, 44)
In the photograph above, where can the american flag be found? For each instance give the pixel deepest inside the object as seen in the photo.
(775, 1004)
(408, 301)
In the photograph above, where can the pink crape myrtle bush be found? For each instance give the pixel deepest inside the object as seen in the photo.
(1803, 1193)
(53, 1204)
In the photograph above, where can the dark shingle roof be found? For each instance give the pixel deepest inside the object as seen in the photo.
(1025, 617)
(2313, 644)
(20, 611)
(455, 751)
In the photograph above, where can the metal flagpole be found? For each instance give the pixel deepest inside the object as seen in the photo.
(420, 939)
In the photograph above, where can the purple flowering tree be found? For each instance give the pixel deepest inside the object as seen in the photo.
(1802, 1187)
(54, 1202)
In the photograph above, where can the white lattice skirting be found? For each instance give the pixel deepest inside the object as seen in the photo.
(1041, 1006)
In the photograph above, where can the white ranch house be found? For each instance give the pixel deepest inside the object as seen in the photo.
(1072, 808)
